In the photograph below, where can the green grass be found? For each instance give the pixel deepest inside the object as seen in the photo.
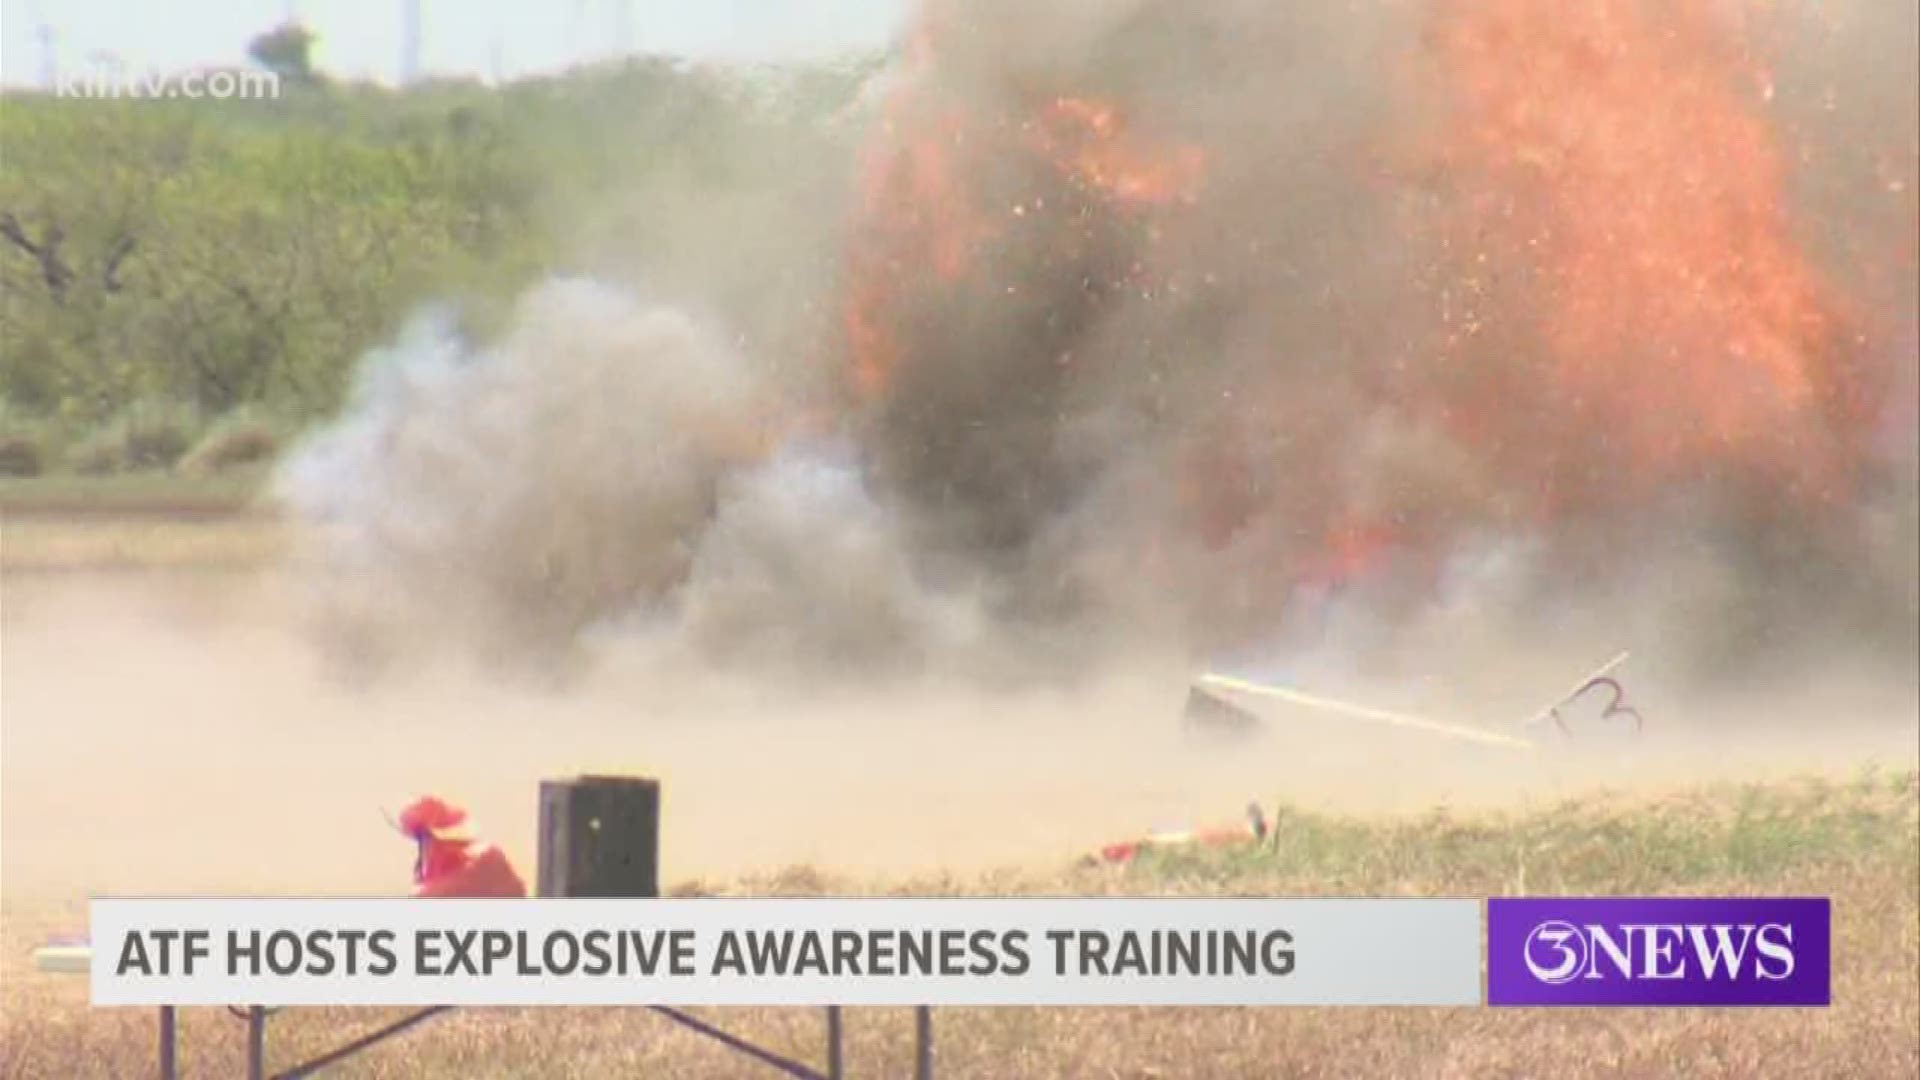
(1723, 833)
(1857, 841)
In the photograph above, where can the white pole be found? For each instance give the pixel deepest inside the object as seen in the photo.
(1362, 712)
(411, 35)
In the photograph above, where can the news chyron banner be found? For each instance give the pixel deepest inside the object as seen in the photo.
(721, 951)
(1534, 951)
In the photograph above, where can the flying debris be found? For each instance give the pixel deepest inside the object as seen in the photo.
(1349, 710)
(1602, 678)
(1209, 713)
(1210, 716)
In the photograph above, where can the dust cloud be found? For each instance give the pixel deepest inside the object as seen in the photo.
(170, 733)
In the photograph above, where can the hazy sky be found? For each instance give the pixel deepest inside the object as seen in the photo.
(362, 38)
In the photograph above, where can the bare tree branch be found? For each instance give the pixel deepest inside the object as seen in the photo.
(116, 254)
(46, 252)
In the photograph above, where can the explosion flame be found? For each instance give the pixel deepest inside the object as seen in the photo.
(1621, 300)
(1615, 160)
(1204, 318)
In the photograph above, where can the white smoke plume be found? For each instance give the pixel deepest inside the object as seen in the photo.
(513, 496)
(602, 470)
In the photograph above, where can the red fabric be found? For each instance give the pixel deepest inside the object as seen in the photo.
(428, 814)
(454, 866)
(459, 868)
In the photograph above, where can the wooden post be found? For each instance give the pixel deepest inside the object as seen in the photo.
(600, 836)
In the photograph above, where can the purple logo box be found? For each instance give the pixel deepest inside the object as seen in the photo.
(1659, 951)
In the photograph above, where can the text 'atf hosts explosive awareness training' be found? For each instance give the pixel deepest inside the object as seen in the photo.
(1132, 951)
(670, 953)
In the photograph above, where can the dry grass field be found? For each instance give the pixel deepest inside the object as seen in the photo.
(165, 730)
(1854, 840)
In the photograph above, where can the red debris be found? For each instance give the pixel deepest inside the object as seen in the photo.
(1252, 830)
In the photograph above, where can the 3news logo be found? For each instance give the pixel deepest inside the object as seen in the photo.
(1659, 951)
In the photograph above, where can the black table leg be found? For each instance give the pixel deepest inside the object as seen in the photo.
(257, 1043)
(923, 1042)
(836, 1068)
(169, 1045)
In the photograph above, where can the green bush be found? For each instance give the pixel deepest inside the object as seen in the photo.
(21, 454)
(233, 442)
(142, 439)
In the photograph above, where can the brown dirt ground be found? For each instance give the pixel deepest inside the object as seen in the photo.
(169, 731)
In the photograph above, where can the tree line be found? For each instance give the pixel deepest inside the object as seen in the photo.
(173, 268)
